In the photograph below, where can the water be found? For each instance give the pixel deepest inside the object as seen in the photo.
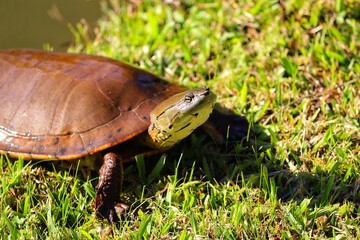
(34, 23)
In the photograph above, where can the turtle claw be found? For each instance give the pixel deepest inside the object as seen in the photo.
(121, 208)
(109, 213)
(112, 212)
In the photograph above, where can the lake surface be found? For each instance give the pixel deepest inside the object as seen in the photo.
(34, 23)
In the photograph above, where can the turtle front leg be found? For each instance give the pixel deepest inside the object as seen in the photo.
(108, 189)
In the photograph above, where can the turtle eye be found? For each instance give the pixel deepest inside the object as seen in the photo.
(189, 97)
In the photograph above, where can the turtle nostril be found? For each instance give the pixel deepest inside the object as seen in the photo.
(207, 90)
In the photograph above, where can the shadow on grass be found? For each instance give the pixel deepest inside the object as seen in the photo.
(251, 155)
(246, 158)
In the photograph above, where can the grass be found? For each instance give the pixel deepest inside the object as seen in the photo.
(292, 68)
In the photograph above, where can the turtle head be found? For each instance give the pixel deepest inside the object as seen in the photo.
(178, 116)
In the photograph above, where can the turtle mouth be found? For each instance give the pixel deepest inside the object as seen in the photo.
(187, 125)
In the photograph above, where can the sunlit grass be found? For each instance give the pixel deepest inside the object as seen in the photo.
(292, 69)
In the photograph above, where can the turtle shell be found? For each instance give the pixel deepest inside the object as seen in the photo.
(65, 106)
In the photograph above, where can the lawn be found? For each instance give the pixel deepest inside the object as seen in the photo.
(292, 68)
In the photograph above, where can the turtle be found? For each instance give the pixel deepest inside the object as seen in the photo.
(63, 106)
